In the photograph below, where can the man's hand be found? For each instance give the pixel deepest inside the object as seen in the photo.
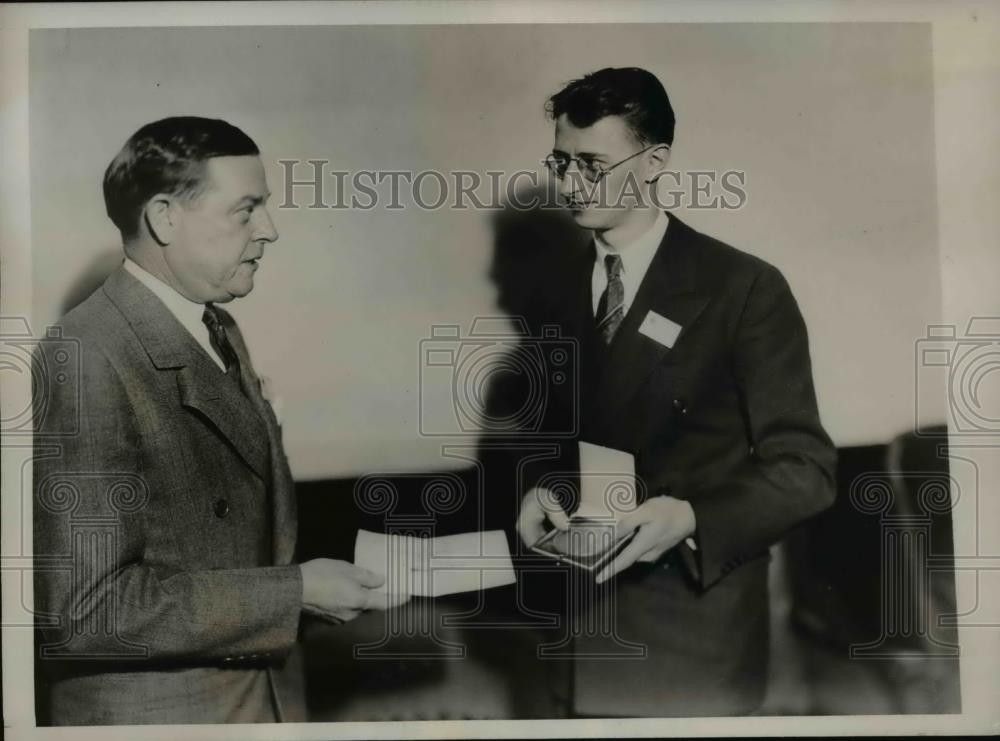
(663, 522)
(538, 504)
(340, 591)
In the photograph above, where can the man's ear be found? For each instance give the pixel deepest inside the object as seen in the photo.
(160, 218)
(657, 159)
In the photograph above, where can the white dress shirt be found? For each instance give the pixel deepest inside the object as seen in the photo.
(636, 258)
(188, 312)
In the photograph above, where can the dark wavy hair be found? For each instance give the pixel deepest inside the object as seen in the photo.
(166, 156)
(630, 92)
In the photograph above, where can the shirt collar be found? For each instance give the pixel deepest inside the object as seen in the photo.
(188, 313)
(637, 255)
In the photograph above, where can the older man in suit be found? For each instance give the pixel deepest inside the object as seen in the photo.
(694, 358)
(165, 520)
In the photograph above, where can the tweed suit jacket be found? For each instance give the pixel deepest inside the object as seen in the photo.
(164, 525)
(725, 418)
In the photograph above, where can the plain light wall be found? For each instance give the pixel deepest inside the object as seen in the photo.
(833, 124)
(967, 118)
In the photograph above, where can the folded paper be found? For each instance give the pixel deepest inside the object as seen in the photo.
(434, 567)
(607, 482)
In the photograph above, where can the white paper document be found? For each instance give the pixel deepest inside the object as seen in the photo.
(434, 567)
(607, 482)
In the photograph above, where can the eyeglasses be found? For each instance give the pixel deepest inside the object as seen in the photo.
(558, 165)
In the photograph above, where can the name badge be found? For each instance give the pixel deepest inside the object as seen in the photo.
(660, 329)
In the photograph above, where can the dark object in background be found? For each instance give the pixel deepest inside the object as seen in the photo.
(872, 578)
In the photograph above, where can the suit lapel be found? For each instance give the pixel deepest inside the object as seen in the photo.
(203, 387)
(283, 502)
(215, 397)
(670, 288)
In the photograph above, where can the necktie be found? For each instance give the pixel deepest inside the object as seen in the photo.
(611, 307)
(220, 343)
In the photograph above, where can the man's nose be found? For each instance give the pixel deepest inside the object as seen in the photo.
(264, 229)
(569, 184)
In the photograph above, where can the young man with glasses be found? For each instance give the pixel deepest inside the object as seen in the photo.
(694, 358)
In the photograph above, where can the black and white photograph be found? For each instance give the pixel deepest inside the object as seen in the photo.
(499, 369)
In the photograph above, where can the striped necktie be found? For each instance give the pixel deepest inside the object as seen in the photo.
(611, 307)
(220, 343)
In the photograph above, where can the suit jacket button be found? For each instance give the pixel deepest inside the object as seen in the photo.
(221, 508)
(680, 406)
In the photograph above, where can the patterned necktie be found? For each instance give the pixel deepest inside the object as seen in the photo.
(611, 308)
(220, 343)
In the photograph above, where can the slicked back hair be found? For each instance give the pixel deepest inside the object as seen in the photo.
(630, 92)
(166, 156)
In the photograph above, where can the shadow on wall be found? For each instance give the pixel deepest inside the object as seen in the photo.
(497, 675)
(91, 278)
(531, 249)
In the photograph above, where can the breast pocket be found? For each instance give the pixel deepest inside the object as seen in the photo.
(669, 388)
(686, 387)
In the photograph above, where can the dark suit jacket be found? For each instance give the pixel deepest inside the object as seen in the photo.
(726, 419)
(165, 525)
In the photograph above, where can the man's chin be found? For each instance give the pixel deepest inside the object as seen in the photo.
(238, 290)
(589, 218)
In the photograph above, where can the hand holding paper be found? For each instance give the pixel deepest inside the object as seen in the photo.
(538, 505)
(433, 567)
(607, 490)
(339, 591)
(592, 536)
(662, 523)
